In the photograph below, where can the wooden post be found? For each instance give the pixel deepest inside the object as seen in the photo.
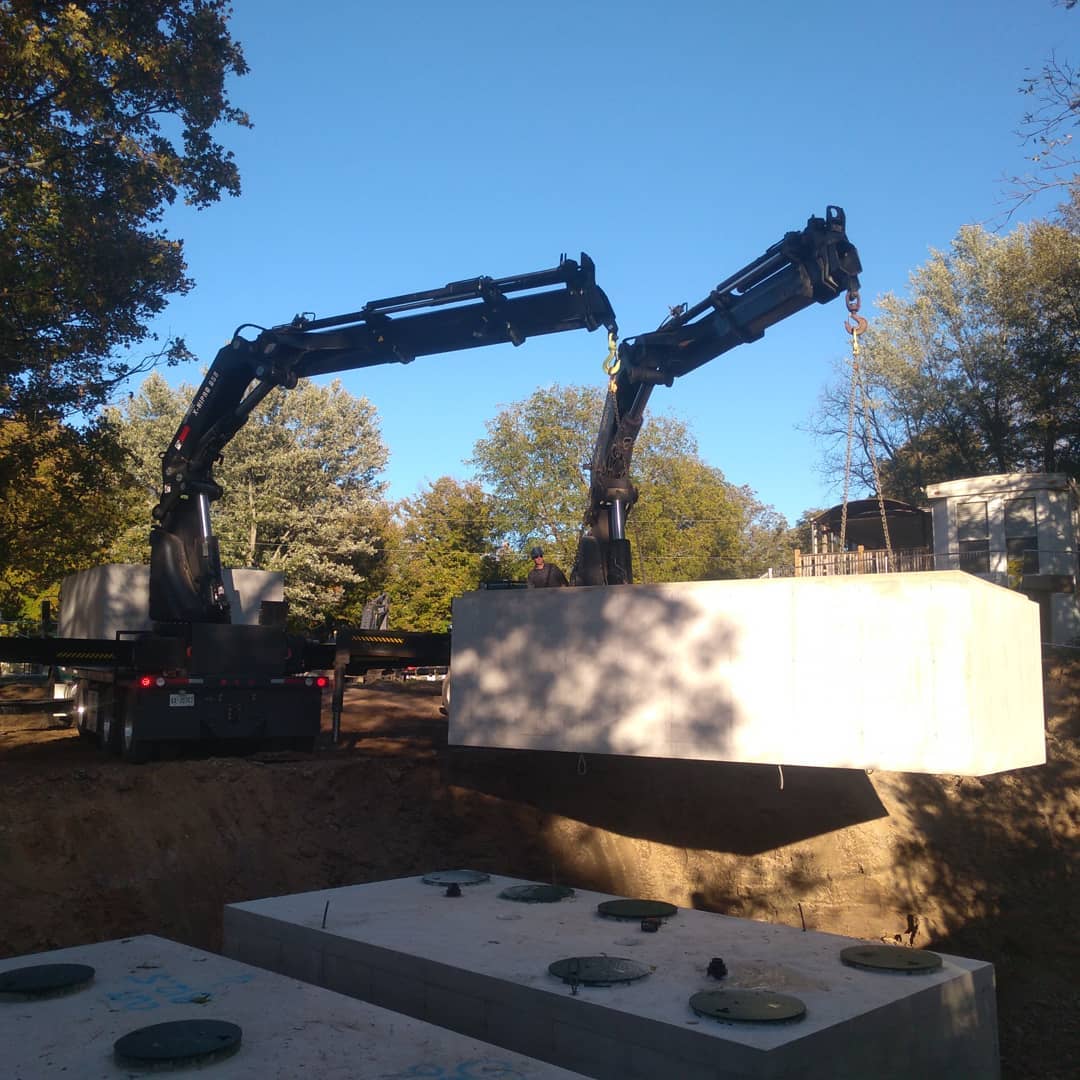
(798, 563)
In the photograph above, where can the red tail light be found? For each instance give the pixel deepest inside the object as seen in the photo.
(322, 680)
(146, 681)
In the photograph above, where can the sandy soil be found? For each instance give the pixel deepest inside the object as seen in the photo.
(92, 848)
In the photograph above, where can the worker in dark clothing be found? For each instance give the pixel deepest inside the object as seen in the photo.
(544, 575)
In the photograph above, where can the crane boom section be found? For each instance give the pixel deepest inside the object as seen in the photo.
(185, 565)
(813, 265)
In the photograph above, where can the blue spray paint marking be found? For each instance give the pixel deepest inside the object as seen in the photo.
(162, 988)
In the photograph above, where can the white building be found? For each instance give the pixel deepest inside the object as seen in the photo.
(1019, 530)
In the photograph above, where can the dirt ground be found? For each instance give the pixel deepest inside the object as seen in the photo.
(92, 848)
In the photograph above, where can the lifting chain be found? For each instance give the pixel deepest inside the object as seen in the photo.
(856, 325)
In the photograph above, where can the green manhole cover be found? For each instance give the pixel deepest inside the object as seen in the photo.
(44, 980)
(537, 894)
(597, 970)
(752, 1006)
(891, 958)
(456, 877)
(178, 1043)
(636, 909)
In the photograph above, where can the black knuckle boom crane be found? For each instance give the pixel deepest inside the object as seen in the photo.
(814, 265)
(196, 674)
(185, 566)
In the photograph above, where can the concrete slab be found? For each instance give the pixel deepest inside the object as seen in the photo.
(290, 1029)
(479, 964)
(929, 673)
(104, 600)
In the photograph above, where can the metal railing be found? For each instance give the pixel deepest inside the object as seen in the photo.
(838, 563)
(994, 564)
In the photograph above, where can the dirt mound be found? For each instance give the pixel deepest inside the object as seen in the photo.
(92, 848)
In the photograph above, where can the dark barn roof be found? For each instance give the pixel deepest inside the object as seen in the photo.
(909, 526)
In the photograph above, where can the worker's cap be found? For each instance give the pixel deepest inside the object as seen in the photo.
(536, 553)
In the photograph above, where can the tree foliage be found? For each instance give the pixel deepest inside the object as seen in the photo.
(533, 463)
(301, 483)
(977, 371)
(1046, 128)
(108, 110)
(689, 522)
(686, 524)
(445, 543)
(64, 515)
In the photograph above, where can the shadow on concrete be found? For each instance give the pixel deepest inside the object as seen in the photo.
(523, 644)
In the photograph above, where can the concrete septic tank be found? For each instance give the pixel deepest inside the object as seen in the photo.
(288, 1029)
(104, 600)
(923, 672)
(478, 963)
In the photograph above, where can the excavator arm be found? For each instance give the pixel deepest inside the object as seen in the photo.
(814, 265)
(185, 564)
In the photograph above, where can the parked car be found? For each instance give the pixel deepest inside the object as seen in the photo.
(424, 674)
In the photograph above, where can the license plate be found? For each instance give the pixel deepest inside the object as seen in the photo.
(181, 701)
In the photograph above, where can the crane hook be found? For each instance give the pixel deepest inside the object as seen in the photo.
(856, 325)
(859, 326)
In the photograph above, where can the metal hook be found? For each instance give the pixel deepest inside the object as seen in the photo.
(611, 363)
(856, 327)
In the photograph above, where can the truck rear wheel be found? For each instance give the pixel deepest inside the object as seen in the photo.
(108, 726)
(85, 724)
(132, 748)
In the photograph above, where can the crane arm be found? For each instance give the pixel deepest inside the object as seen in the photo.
(185, 564)
(813, 265)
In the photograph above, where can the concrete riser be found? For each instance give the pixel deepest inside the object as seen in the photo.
(99, 602)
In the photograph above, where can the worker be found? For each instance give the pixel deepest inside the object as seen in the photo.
(544, 575)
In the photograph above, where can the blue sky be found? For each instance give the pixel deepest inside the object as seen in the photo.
(399, 147)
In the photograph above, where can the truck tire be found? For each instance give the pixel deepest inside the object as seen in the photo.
(132, 748)
(108, 725)
(80, 703)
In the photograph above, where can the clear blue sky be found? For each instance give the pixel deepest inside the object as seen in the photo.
(400, 146)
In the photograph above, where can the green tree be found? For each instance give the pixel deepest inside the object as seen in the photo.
(445, 544)
(65, 514)
(801, 532)
(689, 523)
(533, 462)
(767, 542)
(977, 371)
(686, 524)
(302, 493)
(108, 110)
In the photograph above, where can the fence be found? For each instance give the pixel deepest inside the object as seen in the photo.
(836, 563)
